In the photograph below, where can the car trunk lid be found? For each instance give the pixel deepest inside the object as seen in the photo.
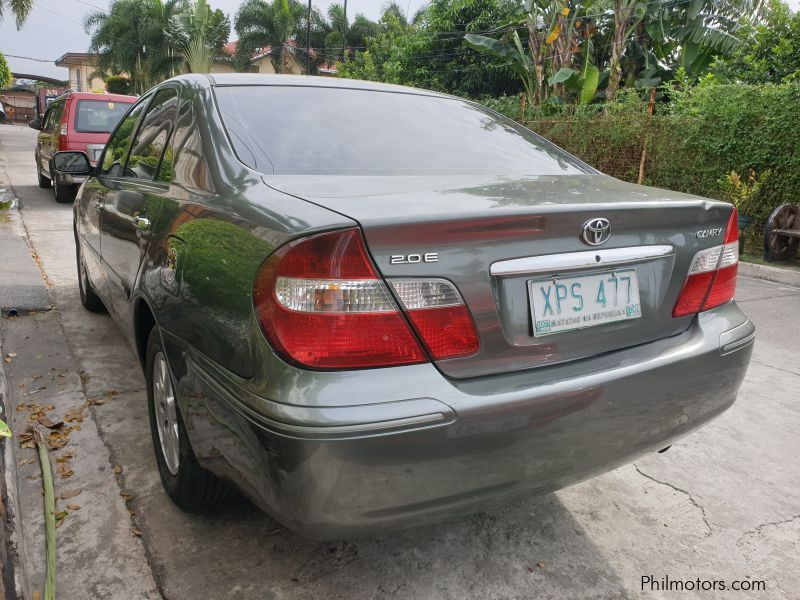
(500, 240)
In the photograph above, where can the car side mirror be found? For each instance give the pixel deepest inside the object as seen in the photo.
(35, 123)
(75, 163)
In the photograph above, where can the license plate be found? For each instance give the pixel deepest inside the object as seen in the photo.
(565, 303)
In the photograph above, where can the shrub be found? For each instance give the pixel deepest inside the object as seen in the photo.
(116, 84)
(710, 131)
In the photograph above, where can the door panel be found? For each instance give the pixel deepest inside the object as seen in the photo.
(134, 203)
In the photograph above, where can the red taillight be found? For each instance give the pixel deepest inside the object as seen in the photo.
(438, 315)
(322, 305)
(62, 134)
(711, 280)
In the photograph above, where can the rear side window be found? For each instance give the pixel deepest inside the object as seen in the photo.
(99, 116)
(150, 142)
(54, 115)
(114, 154)
(296, 130)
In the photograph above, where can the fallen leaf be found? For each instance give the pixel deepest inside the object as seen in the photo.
(12, 355)
(46, 422)
(35, 377)
(58, 523)
(37, 596)
(74, 506)
(27, 461)
(126, 496)
(135, 531)
(66, 456)
(117, 470)
(70, 494)
(62, 514)
(540, 565)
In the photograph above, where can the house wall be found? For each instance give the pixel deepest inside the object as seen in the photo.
(80, 79)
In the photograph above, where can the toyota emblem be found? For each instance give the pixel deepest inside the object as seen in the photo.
(596, 231)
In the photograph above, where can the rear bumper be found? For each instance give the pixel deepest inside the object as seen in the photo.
(334, 471)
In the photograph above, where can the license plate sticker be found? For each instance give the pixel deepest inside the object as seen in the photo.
(565, 303)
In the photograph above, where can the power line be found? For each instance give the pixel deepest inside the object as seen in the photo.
(28, 58)
(58, 14)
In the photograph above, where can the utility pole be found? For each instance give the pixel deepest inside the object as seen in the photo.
(308, 40)
(344, 33)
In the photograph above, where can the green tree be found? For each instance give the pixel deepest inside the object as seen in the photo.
(131, 37)
(5, 73)
(769, 52)
(259, 23)
(198, 34)
(19, 8)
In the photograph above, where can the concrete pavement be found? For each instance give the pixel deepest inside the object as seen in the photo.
(722, 504)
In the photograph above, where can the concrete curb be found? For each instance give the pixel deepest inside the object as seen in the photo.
(14, 573)
(768, 273)
(22, 280)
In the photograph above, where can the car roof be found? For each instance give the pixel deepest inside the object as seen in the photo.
(259, 79)
(93, 96)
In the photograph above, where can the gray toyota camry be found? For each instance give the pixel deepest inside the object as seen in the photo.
(370, 307)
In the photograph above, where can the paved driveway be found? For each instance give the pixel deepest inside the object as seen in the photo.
(722, 505)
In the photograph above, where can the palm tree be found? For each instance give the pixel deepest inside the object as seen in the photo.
(259, 23)
(19, 8)
(199, 33)
(131, 37)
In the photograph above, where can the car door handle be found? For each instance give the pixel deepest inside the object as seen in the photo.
(141, 223)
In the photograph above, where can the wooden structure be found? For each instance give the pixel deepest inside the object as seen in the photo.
(782, 233)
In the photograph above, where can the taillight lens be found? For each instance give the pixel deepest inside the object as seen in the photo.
(322, 305)
(438, 315)
(711, 280)
(62, 138)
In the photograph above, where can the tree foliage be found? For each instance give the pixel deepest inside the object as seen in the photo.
(199, 34)
(556, 51)
(769, 52)
(5, 73)
(117, 84)
(142, 38)
(19, 8)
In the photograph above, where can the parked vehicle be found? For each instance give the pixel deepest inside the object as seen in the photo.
(79, 121)
(44, 97)
(370, 307)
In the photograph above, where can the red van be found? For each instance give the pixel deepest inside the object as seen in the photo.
(75, 121)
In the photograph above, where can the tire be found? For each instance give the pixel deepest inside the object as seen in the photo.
(63, 193)
(188, 485)
(44, 182)
(89, 298)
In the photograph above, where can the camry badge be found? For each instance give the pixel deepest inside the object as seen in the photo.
(596, 231)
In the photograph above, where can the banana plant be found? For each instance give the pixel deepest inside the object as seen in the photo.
(515, 57)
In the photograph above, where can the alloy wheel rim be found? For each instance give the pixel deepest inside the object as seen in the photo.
(165, 412)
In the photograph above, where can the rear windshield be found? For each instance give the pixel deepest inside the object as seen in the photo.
(317, 130)
(99, 116)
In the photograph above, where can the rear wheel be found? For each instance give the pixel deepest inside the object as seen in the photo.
(188, 484)
(63, 193)
(44, 182)
(89, 298)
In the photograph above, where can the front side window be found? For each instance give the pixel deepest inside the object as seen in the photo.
(151, 140)
(99, 116)
(114, 154)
